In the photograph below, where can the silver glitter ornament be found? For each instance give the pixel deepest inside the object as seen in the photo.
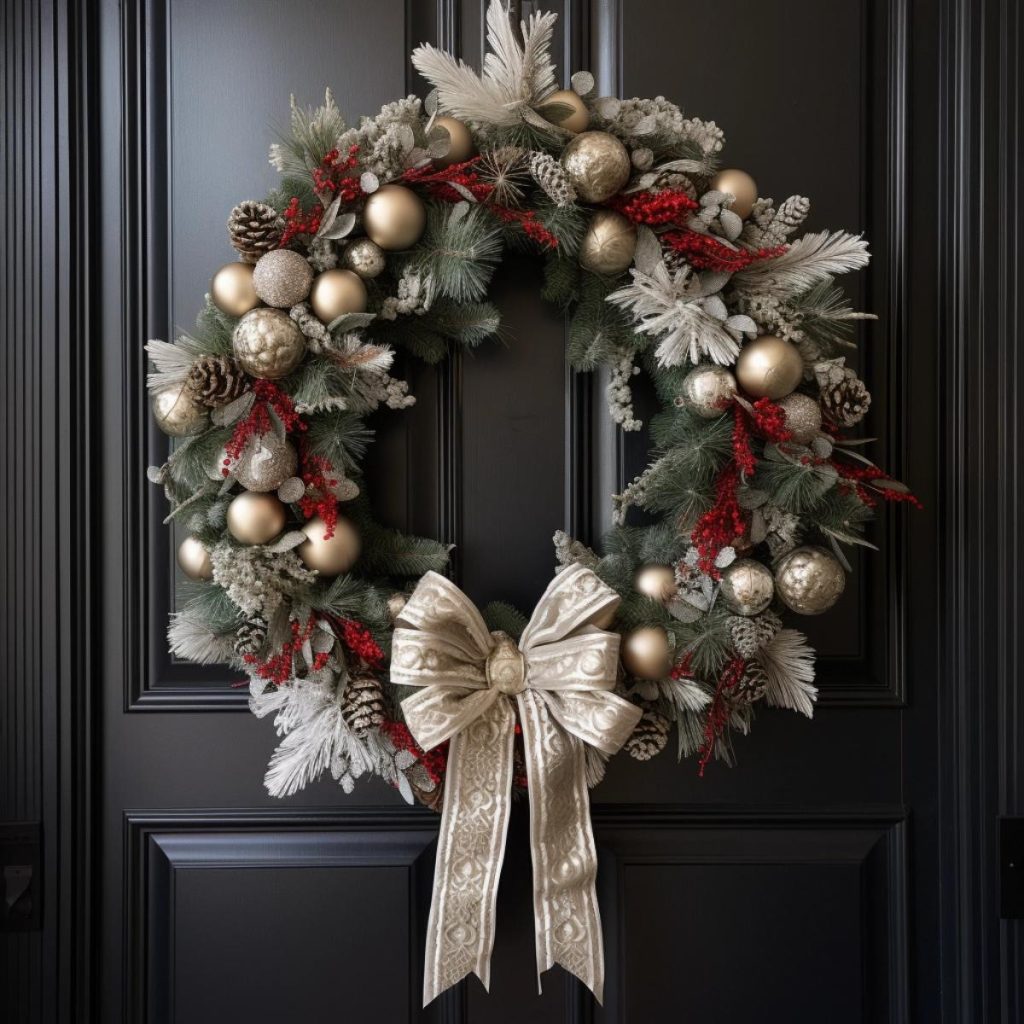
(266, 462)
(747, 586)
(366, 258)
(268, 343)
(708, 391)
(809, 580)
(177, 414)
(597, 164)
(282, 278)
(803, 417)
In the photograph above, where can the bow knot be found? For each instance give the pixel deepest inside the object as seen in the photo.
(506, 666)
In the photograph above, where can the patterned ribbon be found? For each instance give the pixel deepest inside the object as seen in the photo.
(559, 678)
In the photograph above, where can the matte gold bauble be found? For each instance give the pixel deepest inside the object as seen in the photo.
(578, 120)
(608, 244)
(461, 147)
(394, 217)
(268, 343)
(336, 292)
(330, 555)
(255, 518)
(769, 367)
(747, 586)
(282, 278)
(266, 462)
(176, 413)
(646, 653)
(658, 582)
(708, 391)
(365, 258)
(597, 164)
(232, 290)
(803, 417)
(809, 580)
(741, 185)
(194, 559)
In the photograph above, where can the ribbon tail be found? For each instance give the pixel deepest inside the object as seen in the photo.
(567, 920)
(470, 851)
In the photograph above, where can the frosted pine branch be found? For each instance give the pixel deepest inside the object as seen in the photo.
(788, 664)
(807, 262)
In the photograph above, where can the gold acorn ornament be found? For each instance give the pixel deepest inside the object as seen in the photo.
(394, 217)
(576, 121)
(658, 582)
(597, 165)
(708, 391)
(608, 244)
(747, 586)
(177, 413)
(461, 147)
(769, 367)
(255, 518)
(336, 292)
(282, 278)
(268, 343)
(265, 463)
(364, 258)
(739, 184)
(330, 555)
(646, 653)
(803, 417)
(232, 290)
(194, 559)
(809, 580)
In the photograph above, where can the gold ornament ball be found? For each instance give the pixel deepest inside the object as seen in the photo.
(809, 580)
(708, 391)
(769, 367)
(232, 290)
(336, 292)
(739, 184)
(266, 462)
(597, 164)
(365, 258)
(578, 120)
(658, 582)
(747, 586)
(394, 217)
(803, 417)
(255, 518)
(609, 243)
(268, 343)
(194, 559)
(646, 653)
(461, 147)
(282, 278)
(176, 413)
(330, 555)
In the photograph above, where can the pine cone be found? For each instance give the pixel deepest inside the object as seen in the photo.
(752, 684)
(432, 798)
(750, 633)
(251, 636)
(254, 228)
(551, 176)
(217, 380)
(650, 735)
(363, 704)
(846, 403)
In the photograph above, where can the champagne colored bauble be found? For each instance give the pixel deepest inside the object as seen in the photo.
(708, 391)
(769, 367)
(266, 462)
(741, 185)
(461, 147)
(330, 555)
(809, 580)
(658, 582)
(394, 217)
(176, 413)
(336, 292)
(282, 278)
(268, 343)
(255, 518)
(232, 290)
(803, 417)
(578, 120)
(365, 258)
(194, 559)
(597, 164)
(609, 243)
(646, 653)
(747, 586)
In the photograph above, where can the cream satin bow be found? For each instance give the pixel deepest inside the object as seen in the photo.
(560, 678)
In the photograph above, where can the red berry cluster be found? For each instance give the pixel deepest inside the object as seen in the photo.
(438, 183)
(279, 667)
(770, 421)
(318, 499)
(718, 713)
(258, 422)
(742, 453)
(527, 220)
(331, 178)
(434, 762)
(359, 642)
(705, 252)
(683, 668)
(723, 522)
(856, 476)
(299, 222)
(670, 206)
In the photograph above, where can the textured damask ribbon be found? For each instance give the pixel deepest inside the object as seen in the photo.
(560, 677)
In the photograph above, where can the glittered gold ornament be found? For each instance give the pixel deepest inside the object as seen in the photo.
(268, 343)
(194, 559)
(608, 244)
(364, 258)
(578, 120)
(646, 653)
(266, 462)
(809, 580)
(282, 278)
(597, 165)
(461, 148)
(335, 292)
(394, 217)
(708, 391)
(177, 413)
(803, 417)
(255, 518)
(330, 555)
(658, 582)
(747, 586)
(769, 367)
(232, 290)
(741, 185)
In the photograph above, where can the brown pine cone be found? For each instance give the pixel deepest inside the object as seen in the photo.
(217, 380)
(363, 704)
(251, 636)
(752, 684)
(650, 735)
(846, 403)
(254, 229)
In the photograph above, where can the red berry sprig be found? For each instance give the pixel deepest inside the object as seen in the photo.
(718, 713)
(724, 521)
(669, 206)
(279, 668)
(705, 252)
(434, 762)
(258, 421)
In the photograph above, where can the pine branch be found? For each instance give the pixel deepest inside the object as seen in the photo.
(806, 263)
(459, 251)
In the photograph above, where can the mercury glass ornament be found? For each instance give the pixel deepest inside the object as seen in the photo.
(176, 413)
(266, 462)
(282, 278)
(803, 417)
(597, 164)
(646, 653)
(578, 120)
(769, 367)
(608, 244)
(809, 580)
(365, 258)
(194, 559)
(658, 582)
(747, 586)
(394, 217)
(461, 148)
(232, 290)
(268, 343)
(330, 555)
(708, 391)
(739, 184)
(336, 292)
(255, 518)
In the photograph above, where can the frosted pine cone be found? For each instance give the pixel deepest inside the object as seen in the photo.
(750, 634)
(846, 403)
(363, 704)
(251, 636)
(650, 735)
(752, 684)
(217, 380)
(551, 176)
(254, 229)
